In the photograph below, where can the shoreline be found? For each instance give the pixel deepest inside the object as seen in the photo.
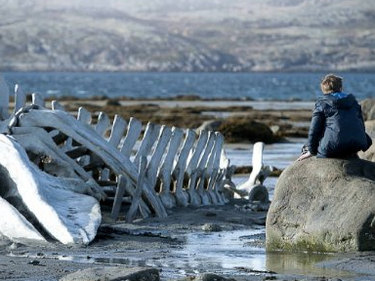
(161, 243)
(227, 241)
(284, 119)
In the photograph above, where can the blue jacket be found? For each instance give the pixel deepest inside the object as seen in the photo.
(337, 128)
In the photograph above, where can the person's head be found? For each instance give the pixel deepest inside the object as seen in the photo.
(331, 84)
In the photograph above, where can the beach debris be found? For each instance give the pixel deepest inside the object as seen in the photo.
(72, 163)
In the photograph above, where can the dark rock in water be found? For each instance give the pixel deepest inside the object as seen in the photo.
(323, 205)
(114, 273)
(239, 129)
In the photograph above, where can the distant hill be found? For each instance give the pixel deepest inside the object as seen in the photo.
(187, 35)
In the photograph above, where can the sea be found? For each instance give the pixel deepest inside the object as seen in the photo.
(241, 86)
(234, 88)
(231, 249)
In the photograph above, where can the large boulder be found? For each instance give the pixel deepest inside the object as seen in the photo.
(323, 205)
(368, 109)
(370, 153)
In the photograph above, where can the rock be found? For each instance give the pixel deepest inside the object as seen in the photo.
(114, 274)
(323, 205)
(211, 227)
(370, 128)
(370, 153)
(210, 125)
(211, 277)
(239, 129)
(368, 109)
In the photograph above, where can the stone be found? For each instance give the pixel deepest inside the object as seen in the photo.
(211, 277)
(369, 154)
(114, 274)
(368, 109)
(240, 129)
(323, 205)
(211, 227)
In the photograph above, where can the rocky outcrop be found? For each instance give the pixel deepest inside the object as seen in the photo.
(323, 205)
(241, 129)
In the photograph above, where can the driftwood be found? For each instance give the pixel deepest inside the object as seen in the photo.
(136, 169)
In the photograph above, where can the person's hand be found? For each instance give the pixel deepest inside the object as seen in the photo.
(305, 156)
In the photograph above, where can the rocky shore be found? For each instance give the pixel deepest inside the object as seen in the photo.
(170, 249)
(235, 119)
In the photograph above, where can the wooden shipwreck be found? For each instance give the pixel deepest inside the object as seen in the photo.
(57, 168)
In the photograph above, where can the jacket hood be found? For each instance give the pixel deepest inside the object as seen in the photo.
(339, 100)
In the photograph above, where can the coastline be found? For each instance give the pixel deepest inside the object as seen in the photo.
(162, 243)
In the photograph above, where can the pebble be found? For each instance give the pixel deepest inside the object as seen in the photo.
(211, 227)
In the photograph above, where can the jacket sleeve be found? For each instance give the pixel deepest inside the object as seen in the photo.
(316, 129)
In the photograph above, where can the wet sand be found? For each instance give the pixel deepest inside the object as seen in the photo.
(226, 240)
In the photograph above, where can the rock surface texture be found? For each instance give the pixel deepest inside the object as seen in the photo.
(323, 205)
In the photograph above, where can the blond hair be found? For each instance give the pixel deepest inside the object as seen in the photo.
(331, 84)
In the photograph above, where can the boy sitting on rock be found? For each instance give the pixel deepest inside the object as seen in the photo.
(337, 129)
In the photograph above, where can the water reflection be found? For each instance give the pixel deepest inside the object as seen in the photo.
(302, 263)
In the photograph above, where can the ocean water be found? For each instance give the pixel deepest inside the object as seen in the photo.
(242, 86)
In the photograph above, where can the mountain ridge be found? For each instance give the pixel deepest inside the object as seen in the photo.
(192, 35)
